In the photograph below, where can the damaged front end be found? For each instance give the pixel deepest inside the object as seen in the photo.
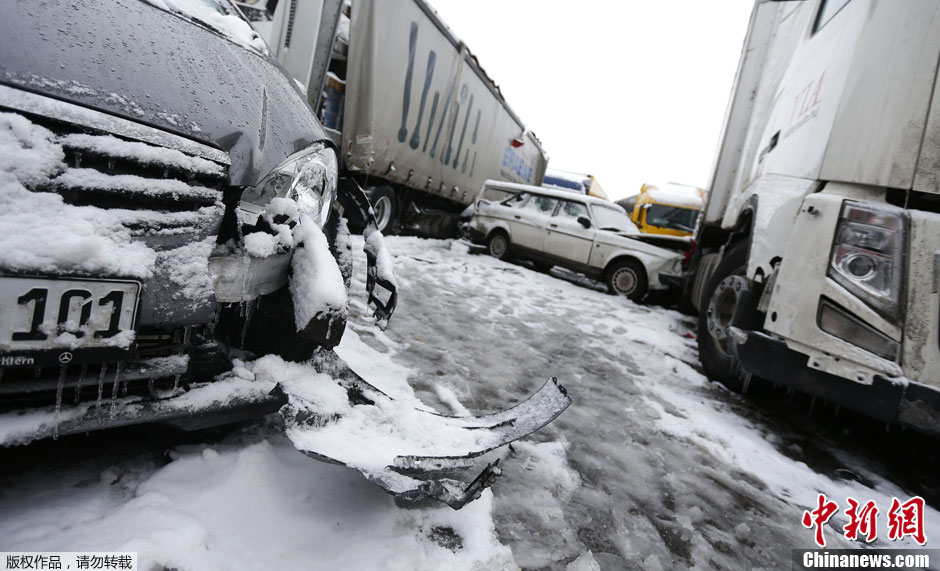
(132, 272)
(195, 287)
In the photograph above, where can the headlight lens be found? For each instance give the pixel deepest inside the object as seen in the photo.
(308, 178)
(868, 255)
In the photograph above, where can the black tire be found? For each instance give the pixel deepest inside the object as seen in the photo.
(385, 206)
(719, 364)
(627, 277)
(497, 245)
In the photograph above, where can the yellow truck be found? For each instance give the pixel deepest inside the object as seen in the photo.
(672, 210)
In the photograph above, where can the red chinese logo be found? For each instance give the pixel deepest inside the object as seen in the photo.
(904, 519)
(818, 517)
(862, 520)
(907, 519)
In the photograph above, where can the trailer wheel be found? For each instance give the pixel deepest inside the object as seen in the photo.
(627, 277)
(385, 207)
(720, 304)
(497, 245)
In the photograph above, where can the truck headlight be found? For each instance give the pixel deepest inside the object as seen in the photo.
(308, 177)
(868, 255)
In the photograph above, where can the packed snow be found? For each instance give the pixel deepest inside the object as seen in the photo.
(651, 468)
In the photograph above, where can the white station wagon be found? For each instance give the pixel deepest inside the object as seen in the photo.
(582, 233)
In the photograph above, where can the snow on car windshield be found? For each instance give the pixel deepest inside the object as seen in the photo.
(613, 219)
(212, 14)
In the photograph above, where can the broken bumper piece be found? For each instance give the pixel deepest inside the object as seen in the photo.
(410, 452)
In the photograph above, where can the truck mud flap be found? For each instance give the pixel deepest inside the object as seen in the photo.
(412, 453)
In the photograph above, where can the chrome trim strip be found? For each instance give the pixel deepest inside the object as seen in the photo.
(27, 102)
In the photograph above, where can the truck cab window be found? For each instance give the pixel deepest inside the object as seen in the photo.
(827, 9)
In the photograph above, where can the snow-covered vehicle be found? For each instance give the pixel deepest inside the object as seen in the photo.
(170, 212)
(582, 233)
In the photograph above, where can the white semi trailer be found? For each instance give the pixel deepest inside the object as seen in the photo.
(818, 261)
(419, 123)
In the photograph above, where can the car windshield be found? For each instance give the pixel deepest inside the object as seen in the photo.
(612, 218)
(218, 17)
(671, 217)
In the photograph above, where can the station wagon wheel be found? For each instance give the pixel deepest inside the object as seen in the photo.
(498, 245)
(627, 277)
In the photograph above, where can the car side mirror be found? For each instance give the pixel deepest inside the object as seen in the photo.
(585, 221)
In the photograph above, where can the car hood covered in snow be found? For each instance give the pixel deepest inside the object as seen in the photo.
(132, 59)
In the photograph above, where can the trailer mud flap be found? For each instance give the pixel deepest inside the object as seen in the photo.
(410, 452)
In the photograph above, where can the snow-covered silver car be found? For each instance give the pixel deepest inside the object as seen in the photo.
(578, 232)
(166, 204)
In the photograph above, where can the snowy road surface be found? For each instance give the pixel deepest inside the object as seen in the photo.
(652, 467)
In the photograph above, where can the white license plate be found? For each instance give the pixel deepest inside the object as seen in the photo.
(37, 314)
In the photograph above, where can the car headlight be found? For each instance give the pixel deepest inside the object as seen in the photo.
(308, 178)
(868, 255)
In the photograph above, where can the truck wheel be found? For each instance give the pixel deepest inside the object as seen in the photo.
(627, 277)
(385, 207)
(497, 245)
(720, 303)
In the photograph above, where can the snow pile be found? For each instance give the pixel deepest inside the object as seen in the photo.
(39, 232)
(261, 244)
(246, 504)
(316, 284)
(29, 153)
(231, 26)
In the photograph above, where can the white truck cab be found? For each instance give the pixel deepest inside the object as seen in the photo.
(818, 262)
